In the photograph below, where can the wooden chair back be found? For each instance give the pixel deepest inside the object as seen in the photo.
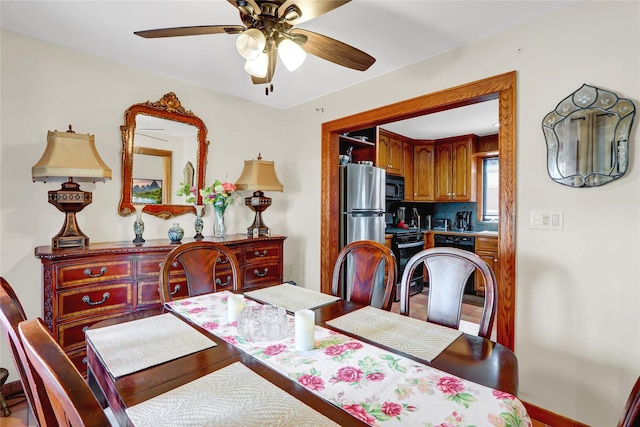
(72, 400)
(199, 260)
(631, 413)
(448, 270)
(11, 314)
(367, 258)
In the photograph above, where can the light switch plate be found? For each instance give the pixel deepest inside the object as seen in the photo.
(547, 219)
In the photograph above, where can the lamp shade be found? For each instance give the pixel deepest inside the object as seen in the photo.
(70, 155)
(291, 54)
(258, 66)
(259, 175)
(250, 43)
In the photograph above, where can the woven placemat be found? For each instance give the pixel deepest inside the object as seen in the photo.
(412, 336)
(291, 298)
(231, 396)
(132, 346)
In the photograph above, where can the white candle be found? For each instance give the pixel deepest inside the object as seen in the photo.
(305, 322)
(235, 304)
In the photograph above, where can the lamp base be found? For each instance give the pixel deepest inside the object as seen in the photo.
(70, 199)
(258, 203)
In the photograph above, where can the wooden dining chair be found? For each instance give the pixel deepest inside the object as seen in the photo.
(202, 263)
(631, 413)
(357, 274)
(72, 401)
(448, 270)
(11, 314)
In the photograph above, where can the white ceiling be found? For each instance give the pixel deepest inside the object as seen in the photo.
(397, 33)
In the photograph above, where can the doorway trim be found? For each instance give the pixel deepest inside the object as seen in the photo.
(502, 87)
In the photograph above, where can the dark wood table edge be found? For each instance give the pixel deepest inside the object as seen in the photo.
(489, 359)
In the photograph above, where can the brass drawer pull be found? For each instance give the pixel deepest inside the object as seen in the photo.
(84, 330)
(87, 299)
(175, 290)
(264, 252)
(223, 260)
(257, 273)
(84, 360)
(227, 283)
(87, 272)
(173, 264)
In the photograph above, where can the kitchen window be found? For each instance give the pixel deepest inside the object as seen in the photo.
(490, 189)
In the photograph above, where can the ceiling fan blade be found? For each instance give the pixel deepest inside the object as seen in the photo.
(190, 31)
(270, 71)
(335, 51)
(310, 8)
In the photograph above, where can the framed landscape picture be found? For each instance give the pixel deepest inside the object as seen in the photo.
(147, 191)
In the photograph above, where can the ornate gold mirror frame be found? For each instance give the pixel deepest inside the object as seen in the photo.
(168, 108)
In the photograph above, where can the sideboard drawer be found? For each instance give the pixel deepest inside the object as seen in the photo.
(264, 272)
(149, 292)
(150, 266)
(259, 252)
(92, 272)
(72, 334)
(87, 301)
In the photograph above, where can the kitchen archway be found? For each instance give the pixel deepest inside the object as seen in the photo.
(501, 87)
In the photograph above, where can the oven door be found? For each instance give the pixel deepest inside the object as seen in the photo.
(403, 252)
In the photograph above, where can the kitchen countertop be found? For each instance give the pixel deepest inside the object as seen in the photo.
(488, 233)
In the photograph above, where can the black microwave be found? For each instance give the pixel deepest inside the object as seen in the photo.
(394, 188)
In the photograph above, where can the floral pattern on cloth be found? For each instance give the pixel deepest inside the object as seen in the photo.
(372, 384)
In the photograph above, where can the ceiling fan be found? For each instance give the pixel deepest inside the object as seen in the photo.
(269, 29)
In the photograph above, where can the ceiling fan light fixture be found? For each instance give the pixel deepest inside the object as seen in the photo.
(291, 54)
(250, 43)
(258, 66)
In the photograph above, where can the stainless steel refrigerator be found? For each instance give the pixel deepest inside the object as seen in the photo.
(361, 203)
(362, 215)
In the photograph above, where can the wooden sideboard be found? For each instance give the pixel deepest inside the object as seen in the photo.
(82, 286)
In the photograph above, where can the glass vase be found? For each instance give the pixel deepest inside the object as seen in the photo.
(199, 223)
(219, 228)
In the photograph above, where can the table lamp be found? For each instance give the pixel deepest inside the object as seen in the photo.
(258, 175)
(70, 156)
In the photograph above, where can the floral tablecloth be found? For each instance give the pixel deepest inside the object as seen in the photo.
(374, 385)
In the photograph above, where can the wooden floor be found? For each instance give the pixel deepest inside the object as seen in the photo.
(470, 314)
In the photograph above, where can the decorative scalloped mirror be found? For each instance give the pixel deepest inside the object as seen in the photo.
(162, 145)
(587, 137)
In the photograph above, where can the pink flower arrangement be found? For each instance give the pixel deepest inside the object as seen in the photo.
(220, 195)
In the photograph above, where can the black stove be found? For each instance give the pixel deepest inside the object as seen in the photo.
(405, 243)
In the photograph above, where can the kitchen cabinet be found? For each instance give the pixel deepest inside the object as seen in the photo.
(487, 249)
(390, 153)
(423, 172)
(82, 286)
(388, 239)
(454, 170)
(407, 149)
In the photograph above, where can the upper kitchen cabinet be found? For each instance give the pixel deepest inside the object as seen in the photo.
(454, 171)
(390, 153)
(423, 172)
(407, 150)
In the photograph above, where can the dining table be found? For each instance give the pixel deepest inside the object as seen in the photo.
(185, 363)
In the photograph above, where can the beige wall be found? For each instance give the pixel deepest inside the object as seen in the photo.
(578, 293)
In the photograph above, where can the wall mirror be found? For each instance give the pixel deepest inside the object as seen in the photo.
(587, 137)
(163, 145)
